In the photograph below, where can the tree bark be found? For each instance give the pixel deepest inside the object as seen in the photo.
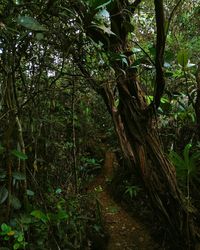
(135, 126)
(141, 146)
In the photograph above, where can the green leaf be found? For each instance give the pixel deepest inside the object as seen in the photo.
(124, 59)
(19, 176)
(62, 215)
(195, 156)
(30, 23)
(152, 51)
(177, 160)
(39, 215)
(149, 99)
(15, 202)
(20, 155)
(182, 58)
(58, 191)
(30, 192)
(16, 246)
(3, 194)
(20, 238)
(5, 228)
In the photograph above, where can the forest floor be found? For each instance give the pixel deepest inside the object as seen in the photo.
(125, 231)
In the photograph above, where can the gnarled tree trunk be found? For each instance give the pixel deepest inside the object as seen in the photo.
(135, 125)
(141, 146)
(138, 136)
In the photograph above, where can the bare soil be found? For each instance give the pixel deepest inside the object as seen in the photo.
(125, 231)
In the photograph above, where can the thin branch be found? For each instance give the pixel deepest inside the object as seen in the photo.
(74, 139)
(150, 59)
(171, 16)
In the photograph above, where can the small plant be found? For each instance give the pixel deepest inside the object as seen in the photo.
(112, 209)
(132, 190)
(11, 236)
(186, 166)
(98, 189)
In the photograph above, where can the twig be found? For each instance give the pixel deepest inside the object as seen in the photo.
(150, 59)
(171, 16)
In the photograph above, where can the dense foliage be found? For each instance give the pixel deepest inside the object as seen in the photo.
(56, 59)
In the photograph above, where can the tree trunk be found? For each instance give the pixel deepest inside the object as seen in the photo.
(135, 124)
(141, 146)
(197, 103)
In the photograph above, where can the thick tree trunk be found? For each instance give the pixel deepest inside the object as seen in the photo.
(141, 145)
(135, 124)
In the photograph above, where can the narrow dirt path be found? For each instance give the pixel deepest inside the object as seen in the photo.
(125, 232)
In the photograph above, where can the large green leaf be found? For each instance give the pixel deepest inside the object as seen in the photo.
(5, 228)
(3, 194)
(30, 23)
(182, 58)
(39, 215)
(20, 155)
(177, 160)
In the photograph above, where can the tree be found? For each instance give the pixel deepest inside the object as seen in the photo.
(135, 121)
(52, 40)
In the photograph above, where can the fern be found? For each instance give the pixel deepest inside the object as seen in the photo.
(186, 165)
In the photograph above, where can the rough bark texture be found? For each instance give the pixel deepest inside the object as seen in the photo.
(141, 145)
(134, 123)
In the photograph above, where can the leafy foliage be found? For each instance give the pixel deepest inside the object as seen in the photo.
(55, 57)
(186, 165)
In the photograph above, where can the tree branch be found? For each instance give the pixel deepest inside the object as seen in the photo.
(171, 16)
(160, 47)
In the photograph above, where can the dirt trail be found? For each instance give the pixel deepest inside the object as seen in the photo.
(125, 232)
